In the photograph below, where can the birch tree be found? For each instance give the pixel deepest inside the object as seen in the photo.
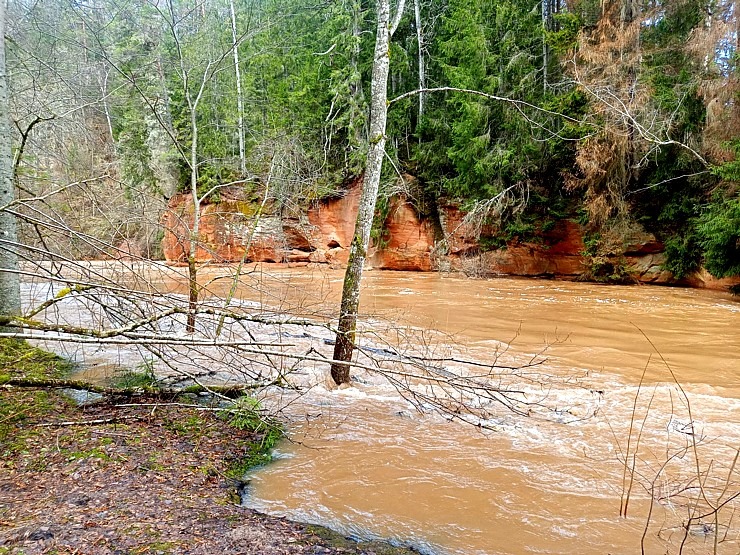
(358, 251)
(10, 303)
(239, 97)
(421, 61)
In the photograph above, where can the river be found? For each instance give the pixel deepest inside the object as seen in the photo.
(645, 375)
(365, 462)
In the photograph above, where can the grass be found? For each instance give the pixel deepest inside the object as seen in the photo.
(21, 409)
(140, 377)
(18, 358)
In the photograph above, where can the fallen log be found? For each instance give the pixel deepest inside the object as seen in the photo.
(230, 391)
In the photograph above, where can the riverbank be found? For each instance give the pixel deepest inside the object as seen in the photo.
(123, 476)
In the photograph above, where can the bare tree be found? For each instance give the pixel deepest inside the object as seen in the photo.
(10, 303)
(195, 77)
(239, 97)
(193, 99)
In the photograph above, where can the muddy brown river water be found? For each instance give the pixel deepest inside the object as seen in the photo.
(369, 465)
(643, 375)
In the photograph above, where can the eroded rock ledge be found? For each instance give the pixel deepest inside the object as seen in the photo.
(230, 231)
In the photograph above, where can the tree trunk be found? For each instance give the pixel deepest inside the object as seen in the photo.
(422, 68)
(239, 100)
(10, 298)
(106, 110)
(358, 251)
(736, 15)
(193, 288)
(159, 133)
(356, 112)
(195, 232)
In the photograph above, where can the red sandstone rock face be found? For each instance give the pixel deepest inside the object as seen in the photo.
(225, 232)
(532, 260)
(325, 234)
(410, 240)
(559, 255)
(704, 280)
(333, 222)
(459, 239)
(643, 244)
(226, 228)
(648, 268)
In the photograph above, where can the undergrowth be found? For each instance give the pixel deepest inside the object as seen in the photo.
(246, 414)
(19, 359)
(253, 433)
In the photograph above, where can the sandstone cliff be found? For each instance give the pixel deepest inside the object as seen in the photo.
(230, 232)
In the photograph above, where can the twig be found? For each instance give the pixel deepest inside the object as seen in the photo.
(626, 495)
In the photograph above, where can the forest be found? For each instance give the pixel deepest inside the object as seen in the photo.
(620, 115)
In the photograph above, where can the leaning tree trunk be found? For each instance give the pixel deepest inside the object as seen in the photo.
(358, 251)
(10, 298)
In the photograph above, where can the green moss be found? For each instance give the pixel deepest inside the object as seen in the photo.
(18, 358)
(152, 464)
(162, 548)
(247, 208)
(192, 426)
(15, 410)
(93, 453)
